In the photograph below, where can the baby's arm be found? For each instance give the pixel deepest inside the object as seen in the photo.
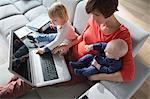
(89, 47)
(99, 46)
(110, 68)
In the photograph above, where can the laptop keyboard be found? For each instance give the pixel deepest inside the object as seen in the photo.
(48, 67)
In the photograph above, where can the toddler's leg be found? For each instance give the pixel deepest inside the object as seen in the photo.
(46, 37)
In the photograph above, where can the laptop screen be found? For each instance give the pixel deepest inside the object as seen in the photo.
(20, 58)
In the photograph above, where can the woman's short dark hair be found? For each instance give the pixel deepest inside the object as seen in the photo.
(106, 7)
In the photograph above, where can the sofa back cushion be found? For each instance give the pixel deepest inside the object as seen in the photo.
(47, 3)
(12, 23)
(4, 2)
(71, 6)
(80, 17)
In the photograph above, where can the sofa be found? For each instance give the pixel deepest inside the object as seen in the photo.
(14, 14)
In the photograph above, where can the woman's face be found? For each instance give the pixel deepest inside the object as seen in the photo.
(98, 17)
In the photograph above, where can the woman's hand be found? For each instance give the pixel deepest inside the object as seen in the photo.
(94, 77)
(88, 47)
(40, 51)
(116, 77)
(62, 49)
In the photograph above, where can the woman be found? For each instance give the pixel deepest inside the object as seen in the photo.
(102, 26)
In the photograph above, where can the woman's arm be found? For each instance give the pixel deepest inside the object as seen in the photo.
(63, 49)
(75, 41)
(116, 77)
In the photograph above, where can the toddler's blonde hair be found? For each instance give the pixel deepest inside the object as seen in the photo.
(57, 9)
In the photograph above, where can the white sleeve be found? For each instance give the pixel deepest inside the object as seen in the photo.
(58, 40)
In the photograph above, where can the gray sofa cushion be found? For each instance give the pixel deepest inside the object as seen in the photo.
(8, 10)
(80, 17)
(12, 23)
(3, 50)
(4, 2)
(25, 5)
(35, 12)
(70, 5)
(126, 90)
(5, 74)
(47, 3)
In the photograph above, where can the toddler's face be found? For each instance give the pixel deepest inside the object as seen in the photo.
(58, 21)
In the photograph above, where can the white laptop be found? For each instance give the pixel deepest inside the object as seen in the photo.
(34, 69)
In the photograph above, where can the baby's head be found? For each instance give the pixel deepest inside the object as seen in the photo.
(116, 48)
(58, 13)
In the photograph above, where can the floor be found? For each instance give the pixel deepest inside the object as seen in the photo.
(138, 12)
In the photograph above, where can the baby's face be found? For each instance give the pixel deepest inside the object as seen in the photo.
(58, 21)
(109, 53)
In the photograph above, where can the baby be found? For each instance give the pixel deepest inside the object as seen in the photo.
(59, 17)
(108, 58)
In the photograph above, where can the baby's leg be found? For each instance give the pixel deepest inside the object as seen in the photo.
(87, 71)
(82, 62)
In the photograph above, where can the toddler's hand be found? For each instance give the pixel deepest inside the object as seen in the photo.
(88, 47)
(52, 26)
(55, 50)
(40, 51)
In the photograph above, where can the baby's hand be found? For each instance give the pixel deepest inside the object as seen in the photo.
(40, 51)
(88, 47)
(94, 62)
